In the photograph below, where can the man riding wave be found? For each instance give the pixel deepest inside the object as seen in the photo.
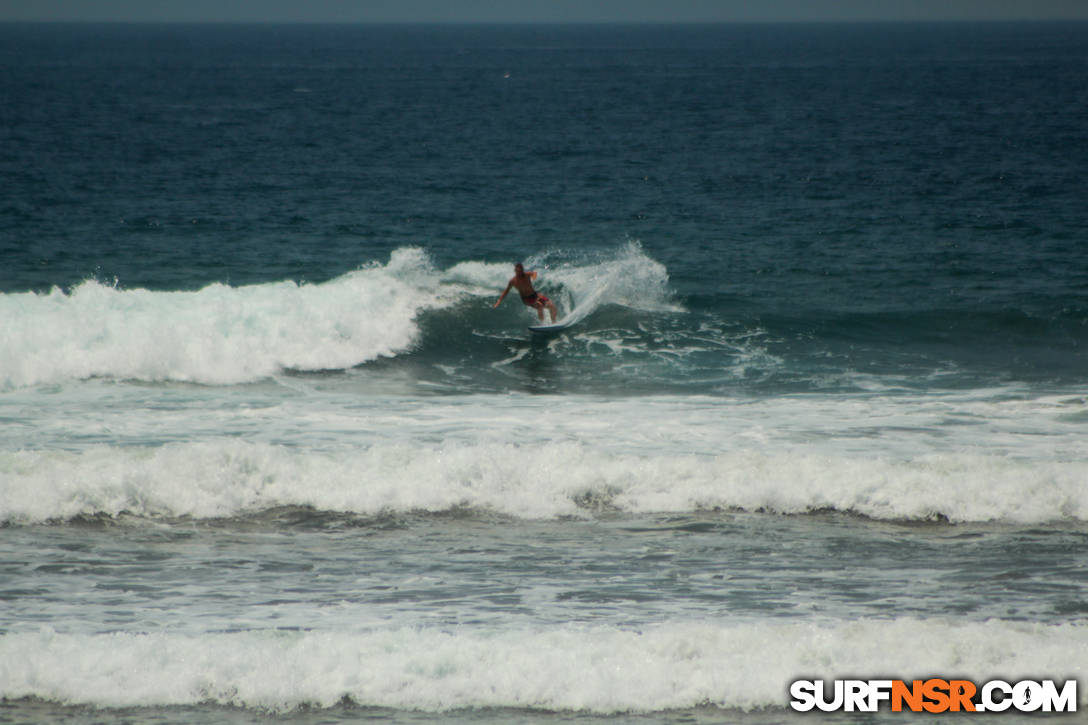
(523, 281)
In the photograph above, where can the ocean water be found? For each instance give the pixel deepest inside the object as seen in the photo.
(267, 453)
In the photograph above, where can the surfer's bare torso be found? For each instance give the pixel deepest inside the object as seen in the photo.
(522, 281)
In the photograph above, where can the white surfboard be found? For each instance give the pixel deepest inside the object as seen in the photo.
(552, 327)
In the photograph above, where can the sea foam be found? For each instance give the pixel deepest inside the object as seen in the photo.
(219, 334)
(224, 479)
(729, 664)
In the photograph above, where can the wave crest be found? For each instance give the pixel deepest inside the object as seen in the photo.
(233, 478)
(733, 665)
(221, 335)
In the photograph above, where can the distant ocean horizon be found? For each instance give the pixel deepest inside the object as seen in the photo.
(269, 453)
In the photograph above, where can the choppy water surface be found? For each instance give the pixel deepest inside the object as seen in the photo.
(269, 454)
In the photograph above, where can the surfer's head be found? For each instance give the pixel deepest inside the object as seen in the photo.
(519, 269)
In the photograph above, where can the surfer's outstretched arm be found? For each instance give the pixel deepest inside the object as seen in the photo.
(503, 295)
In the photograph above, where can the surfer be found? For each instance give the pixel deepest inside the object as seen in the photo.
(523, 281)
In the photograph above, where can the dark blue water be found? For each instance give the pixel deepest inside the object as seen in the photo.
(898, 196)
(267, 447)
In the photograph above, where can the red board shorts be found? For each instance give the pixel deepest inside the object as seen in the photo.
(536, 300)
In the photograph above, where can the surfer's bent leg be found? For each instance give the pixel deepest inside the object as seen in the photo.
(545, 302)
